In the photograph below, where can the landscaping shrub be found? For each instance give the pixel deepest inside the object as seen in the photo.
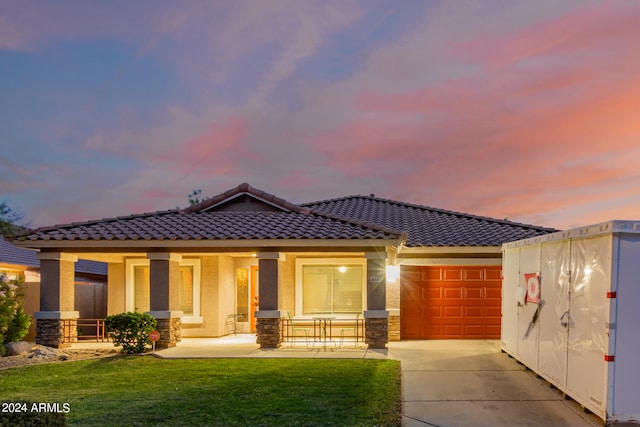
(32, 414)
(14, 323)
(131, 330)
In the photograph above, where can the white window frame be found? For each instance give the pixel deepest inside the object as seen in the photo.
(129, 292)
(300, 262)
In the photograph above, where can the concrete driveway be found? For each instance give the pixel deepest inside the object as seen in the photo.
(449, 383)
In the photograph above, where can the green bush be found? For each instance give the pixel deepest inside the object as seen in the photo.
(32, 414)
(131, 330)
(14, 323)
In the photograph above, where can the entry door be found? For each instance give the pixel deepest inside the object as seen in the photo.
(254, 298)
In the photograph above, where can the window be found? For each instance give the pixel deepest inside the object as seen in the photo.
(332, 286)
(138, 288)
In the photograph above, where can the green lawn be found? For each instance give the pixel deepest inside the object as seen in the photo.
(147, 391)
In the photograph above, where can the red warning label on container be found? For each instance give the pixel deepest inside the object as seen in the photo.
(533, 287)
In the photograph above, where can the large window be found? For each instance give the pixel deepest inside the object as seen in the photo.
(139, 286)
(329, 287)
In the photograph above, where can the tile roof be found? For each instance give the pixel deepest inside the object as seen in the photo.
(184, 225)
(11, 254)
(427, 226)
(353, 217)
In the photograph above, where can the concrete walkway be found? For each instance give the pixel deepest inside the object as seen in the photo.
(445, 383)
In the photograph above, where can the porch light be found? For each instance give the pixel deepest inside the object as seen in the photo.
(342, 269)
(393, 273)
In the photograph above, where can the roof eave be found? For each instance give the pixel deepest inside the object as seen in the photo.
(450, 249)
(213, 244)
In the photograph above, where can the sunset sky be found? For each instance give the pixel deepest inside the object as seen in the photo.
(527, 110)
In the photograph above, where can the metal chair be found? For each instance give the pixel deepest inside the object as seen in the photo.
(231, 324)
(295, 329)
(351, 330)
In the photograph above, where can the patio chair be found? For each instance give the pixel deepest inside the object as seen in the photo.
(350, 331)
(231, 324)
(295, 329)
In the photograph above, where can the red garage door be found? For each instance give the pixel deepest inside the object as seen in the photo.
(450, 302)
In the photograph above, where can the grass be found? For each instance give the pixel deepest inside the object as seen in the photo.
(147, 391)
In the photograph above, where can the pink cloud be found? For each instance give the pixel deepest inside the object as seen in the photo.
(515, 140)
(212, 153)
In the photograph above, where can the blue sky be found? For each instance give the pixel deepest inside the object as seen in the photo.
(520, 109)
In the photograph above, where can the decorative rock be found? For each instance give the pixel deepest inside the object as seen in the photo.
(43, 352)
(16, 348)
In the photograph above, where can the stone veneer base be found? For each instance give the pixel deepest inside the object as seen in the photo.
(376, 332)
(268, 332)
(57, 333)
(170, 332)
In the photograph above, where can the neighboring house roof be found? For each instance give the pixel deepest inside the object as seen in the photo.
(11, 254)
(427, 226)
(243, 213)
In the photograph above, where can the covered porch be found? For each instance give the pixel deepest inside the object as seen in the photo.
(198, 294)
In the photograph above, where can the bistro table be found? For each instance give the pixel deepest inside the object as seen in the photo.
(321, 323)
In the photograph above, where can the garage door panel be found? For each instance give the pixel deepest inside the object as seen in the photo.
(473, 331)
(432, 312)
(473, 274)
(494, 273)
(452, 274)
(454, 311)
(494, 293)
(429, 274)
(473, 312)
(452, 331)
(432, 293)
(493, 312)
(477, 293)
(452, 293)
(493, 330)
(451, 302)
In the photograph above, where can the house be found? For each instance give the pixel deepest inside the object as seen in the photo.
(90, 282)
(410, 270)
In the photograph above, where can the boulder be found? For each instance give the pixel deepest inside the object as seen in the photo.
(16, 348)
(44, 352)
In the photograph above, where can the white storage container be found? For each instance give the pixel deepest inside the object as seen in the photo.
(583, 335)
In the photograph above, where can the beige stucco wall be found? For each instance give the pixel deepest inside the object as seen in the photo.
(116, 288)
(287, 290)
(208, 297)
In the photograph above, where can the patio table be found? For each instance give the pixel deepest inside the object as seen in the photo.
(321, 323)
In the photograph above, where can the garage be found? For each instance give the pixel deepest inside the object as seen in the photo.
(450, 302)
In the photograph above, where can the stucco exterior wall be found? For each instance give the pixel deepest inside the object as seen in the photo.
(116, 288)
(226, 292)
(208, 297)
(287, 291)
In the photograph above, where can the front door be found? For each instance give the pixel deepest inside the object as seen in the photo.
(254, 298)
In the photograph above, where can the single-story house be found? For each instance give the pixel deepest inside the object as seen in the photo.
(90, 282)
(411, 271)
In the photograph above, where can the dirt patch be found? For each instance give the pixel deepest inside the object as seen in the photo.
(56, 356)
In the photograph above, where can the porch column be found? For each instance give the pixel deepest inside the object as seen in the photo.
(268, 313)
(164, 276)
(57, 321)
(376, 316)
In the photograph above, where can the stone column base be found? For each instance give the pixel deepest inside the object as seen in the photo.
(268, 328)
(169, 326)
(56, 329)
(376, 326)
